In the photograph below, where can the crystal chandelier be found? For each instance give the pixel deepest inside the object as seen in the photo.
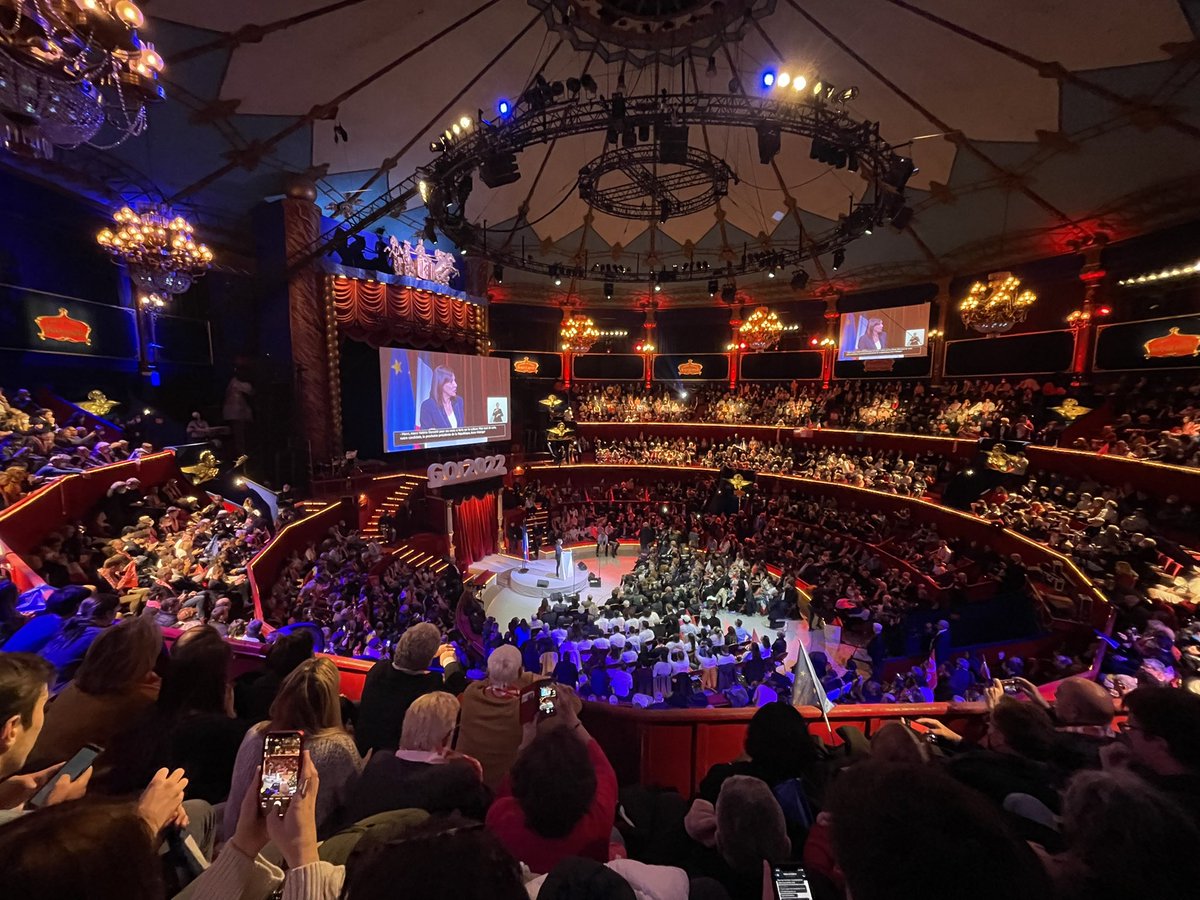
(68, 68)
(578, 333)
(997, 306)
(159, 249)
(761, 330)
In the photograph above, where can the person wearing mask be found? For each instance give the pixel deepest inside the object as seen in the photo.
(307, 701)
(393, 684)
(61, 605)
(490, 727)
(115, 685)
(426, 772)
(65, 651)
(560, 798)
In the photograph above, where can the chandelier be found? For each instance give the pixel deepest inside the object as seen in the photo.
(997, 306)
(761, 331)
(159, 249)
(578, 333)
(68, 68)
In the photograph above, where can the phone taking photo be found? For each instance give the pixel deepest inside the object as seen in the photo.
(547, 704)
(791, 883)
(280, 768)
(72, 769)
(538, 701)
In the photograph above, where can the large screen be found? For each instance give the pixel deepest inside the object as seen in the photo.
(885, 333)
(442, 399)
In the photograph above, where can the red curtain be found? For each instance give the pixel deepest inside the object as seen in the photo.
(383, 313)
(474, 529)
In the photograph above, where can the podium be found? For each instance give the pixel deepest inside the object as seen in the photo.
(564, 567)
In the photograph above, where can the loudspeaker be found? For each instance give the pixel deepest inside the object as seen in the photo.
(581, 566)
(593, 580)
(542, 582)
(673, 144)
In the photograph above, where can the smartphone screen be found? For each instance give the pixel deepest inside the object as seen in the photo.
(72, 768)
(791, 883)
(547, 698)
(280, 767)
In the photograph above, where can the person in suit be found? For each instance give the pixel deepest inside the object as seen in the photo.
(558, 551)
(443, 408)
(873, 338)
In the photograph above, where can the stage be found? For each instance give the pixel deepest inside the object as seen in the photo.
(537, 578)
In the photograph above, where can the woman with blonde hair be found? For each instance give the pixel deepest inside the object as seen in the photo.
(307, 701)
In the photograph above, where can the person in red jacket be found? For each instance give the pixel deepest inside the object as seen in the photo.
(560, 798)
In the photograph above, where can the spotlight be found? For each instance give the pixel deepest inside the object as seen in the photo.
(839, 257)
(847, 95)
(799, 83)
(712, 287)
(423, 187)
(783, 80)
(503, 108)
(814, 342)
(588, 83)
(657, 288)
(429, 232)
(729, 293)
(771, 273)
(799, 280)
(768, 79)
(557, 281)
(456, 128)
(465, 122)
(574, 86)
(664, 210)
(609, 287)
(498, 273)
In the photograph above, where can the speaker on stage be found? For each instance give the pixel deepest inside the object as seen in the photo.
(581, 566)
(543, 583)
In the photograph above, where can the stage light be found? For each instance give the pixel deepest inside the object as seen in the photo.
(839, 257)
(465, 122)
(456, 128)
(683, 395)
(589, 83)
(847, 95)
(771, 273)
(769, 141)
(658, 288)
(557, 281)
(503, 108)
(768, 78)
(423, 187)
(814, 342)
(574, 86)
(498, 273)
(799, 279)
(783, 80)
(608, 290)
(1104, 311)
(712, 66)
(712, 287)
(799, 83)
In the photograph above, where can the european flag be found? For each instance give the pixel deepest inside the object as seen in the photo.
(401, 407)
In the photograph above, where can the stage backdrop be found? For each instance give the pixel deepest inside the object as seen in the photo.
(474, 529)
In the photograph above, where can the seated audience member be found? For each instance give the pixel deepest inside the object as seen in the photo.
(560, 798)
(116, 685)
(191, 725)
(11, 619)
(1101, 811)
(913, 831)
(308, 702)
(899, 745)
(254, 693)
(24, 689)
(1015, 755)
(490, 728)
(425, 773)
(60, 606)
(1163, 743)
(392, 685)
(745, 828)
(65, 651)
(618, 879)
(1083, 715)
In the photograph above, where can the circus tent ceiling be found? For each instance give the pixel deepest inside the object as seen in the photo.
(1033, 123)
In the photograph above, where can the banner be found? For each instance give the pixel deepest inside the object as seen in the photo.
(48, 323)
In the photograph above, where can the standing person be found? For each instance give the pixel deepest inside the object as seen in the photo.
(443, 408)
(393, 684)
(237, 411)
(558, 559)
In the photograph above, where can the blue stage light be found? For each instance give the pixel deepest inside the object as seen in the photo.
(503, 107)
(768, 78)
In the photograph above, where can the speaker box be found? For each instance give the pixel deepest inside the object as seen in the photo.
(542, 582)
(673, 144)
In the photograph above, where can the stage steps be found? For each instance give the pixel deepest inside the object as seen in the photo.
(418, 559)
(404, 487)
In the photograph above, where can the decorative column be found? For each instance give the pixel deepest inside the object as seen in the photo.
(829, 354)
(313, 329)
(735, 343)
(1083, 320)
(937, 335)
(566, 351)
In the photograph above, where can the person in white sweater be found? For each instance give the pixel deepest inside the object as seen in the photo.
(307, 701)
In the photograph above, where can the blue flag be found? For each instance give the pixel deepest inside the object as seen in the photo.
(401, 407)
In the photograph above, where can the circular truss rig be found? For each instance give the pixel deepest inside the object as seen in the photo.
(696, 181)
(491, 146)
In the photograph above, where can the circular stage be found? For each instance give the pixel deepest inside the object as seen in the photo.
(538, 579)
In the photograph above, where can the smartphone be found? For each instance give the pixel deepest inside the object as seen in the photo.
(791, 883)
(1010, 686)
(72, 768)
(280, 768)
(547, 699)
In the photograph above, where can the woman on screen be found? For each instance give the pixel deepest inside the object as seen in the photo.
(443, 408)
(873, 337)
